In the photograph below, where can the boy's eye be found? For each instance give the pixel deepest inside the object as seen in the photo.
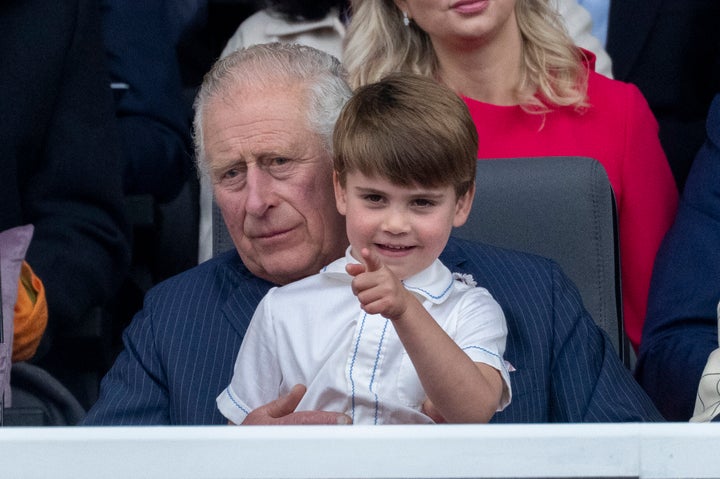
(373, 198)
(423, 203)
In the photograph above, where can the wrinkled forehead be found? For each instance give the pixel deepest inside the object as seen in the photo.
(268, 122)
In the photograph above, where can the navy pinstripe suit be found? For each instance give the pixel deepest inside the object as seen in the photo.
(180, 349)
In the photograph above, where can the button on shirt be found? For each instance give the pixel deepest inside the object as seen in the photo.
(314, 332)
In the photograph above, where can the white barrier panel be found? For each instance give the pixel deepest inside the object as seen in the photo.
(447, 451)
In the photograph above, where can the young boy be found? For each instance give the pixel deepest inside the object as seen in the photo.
(386, 334)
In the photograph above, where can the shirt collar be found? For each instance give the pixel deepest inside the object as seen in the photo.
(433, 283)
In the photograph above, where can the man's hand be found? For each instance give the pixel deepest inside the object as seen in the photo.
(282, 412)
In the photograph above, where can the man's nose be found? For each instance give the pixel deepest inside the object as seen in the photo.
(259, 188)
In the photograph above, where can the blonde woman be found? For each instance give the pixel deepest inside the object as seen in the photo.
(531, 92)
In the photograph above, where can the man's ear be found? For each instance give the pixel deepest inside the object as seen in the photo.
(340, 194)
(463, 207)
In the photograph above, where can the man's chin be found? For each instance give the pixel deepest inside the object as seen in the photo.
(283, 269)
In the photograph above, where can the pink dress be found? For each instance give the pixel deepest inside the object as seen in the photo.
(620, 131)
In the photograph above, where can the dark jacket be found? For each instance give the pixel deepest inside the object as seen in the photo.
(670, 49)
(58, 153)
(681, 328)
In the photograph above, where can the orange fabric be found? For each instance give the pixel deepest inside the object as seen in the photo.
(31, 315)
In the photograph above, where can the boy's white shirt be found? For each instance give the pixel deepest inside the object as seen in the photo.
(313, 332)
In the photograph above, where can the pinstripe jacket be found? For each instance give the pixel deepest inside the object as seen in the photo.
(180, 348)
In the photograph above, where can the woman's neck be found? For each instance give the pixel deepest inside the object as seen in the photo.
(487, 72)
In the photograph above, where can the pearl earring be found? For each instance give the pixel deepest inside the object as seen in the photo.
(406, 20)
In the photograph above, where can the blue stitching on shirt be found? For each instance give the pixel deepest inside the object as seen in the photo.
(429, 293)
(352, 366)
(372, 377)
(236, 403)
(482, 349)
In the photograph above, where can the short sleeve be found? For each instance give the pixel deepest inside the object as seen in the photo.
(256, 376)
(482, 334)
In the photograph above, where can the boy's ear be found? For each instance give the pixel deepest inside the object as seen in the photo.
(463, 207)
(340, 198)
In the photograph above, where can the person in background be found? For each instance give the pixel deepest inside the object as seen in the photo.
(681, 328)
(670, 49)
(61, 173)
(403, 179)
(180, 348)
(531, 92)
(322, 25)
(153, 117)
(157, 52)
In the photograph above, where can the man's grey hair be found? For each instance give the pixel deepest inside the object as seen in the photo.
(275, 65)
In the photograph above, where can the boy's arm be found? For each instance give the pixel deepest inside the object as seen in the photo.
(447, 374)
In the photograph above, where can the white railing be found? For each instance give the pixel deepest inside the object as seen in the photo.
(463, 451)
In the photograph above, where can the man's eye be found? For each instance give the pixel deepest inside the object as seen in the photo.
(233, 173)
(277, 164)
(280, 161)
(233, 176)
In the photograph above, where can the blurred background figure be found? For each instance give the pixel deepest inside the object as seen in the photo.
(670, 49)
(681, 328)
(62, 174)
(157, 53)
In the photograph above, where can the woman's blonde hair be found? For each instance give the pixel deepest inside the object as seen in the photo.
(552, 71)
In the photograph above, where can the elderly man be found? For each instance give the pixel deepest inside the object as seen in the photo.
(264, 119)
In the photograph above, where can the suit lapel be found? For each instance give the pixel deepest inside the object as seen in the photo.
(628, 29)
(240, 306)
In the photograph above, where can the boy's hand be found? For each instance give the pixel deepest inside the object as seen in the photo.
(377, 288)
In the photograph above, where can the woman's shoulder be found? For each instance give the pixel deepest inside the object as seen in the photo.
(608, 91)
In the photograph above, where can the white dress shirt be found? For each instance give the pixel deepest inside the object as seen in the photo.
(313, 332)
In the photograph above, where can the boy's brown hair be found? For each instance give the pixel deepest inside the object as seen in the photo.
(408, 129)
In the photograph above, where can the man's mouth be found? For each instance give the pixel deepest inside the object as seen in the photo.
(269, 235)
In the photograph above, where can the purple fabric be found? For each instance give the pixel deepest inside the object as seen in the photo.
(13, 245)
